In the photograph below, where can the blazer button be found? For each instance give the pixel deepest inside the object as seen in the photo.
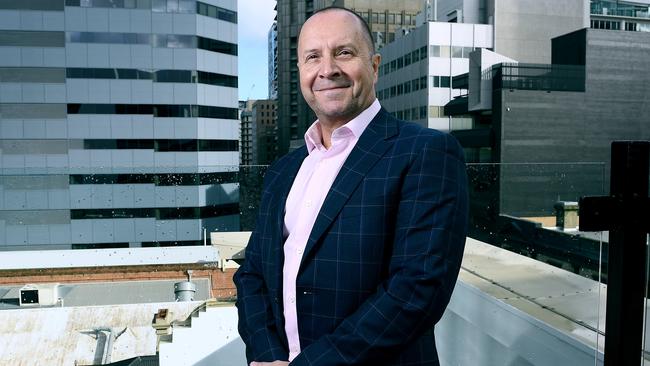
(276, 299)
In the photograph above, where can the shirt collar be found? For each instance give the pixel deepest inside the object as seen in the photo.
(356, 126)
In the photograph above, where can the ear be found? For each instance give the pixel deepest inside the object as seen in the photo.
(376, 60)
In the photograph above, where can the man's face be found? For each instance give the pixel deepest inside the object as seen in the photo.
(337, 70)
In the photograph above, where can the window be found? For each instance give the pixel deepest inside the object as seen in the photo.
(434, 51)
(407, 59)
(456, 52)
(415, 85)
(400, 63)
(423, 82)
(440, 81)
(415, 55)
(445, 81)
(407, 87)
(423, 52)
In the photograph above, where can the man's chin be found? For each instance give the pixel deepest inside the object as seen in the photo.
(336, 113)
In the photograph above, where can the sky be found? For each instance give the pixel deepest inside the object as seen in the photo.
(254, 20)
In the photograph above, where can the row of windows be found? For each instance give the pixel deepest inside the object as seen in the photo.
(173, 213)
(386, 18)
(48, 5)
(450, 51)
(403, 61)
(174, 179)
(31, 39)
(32, 75)
(414, 85)
(403, 88)
(160, 76)
(157, 110)
(411, 113)
(145, 244)
(421, 54)
(168, 6)
(216, 12)
(32, 110)
(163, 145)
(605, 24)
(156, 40)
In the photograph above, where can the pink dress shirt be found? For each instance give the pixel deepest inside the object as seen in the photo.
(309, 189)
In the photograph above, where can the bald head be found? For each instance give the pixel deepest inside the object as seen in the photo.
(363, 25)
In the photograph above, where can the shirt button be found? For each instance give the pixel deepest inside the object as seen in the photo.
(299, 251)
(292, 299)
(308, 203)
(294, 349)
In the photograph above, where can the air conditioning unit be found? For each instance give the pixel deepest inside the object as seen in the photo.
(39, 295)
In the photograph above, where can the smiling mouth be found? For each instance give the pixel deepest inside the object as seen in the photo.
(332, 88)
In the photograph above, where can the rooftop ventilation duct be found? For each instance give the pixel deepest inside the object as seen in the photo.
(39, 295)
(184, 291)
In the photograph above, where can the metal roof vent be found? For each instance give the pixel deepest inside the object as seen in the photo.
(39, 295)
(184, 291)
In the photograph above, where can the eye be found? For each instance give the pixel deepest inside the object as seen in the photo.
(345, 52)
(311, 57)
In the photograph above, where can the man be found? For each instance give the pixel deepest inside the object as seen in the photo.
(360, 233)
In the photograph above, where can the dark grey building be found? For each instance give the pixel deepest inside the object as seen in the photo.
(549, 127)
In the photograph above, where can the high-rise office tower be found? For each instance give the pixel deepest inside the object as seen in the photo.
(273, 61)
(264, 117)
(385, 17)
(118, 122)
(246, 139)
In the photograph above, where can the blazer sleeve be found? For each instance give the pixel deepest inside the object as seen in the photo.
(257, 326)
(428, 244)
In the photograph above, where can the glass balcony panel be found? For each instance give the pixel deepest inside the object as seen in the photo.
(558, 270)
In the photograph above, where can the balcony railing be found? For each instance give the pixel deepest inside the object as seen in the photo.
(632, 12)
(536, 77)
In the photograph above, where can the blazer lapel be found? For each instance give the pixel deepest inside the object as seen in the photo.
(372, 145)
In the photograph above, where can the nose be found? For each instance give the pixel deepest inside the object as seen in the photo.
(329, 68)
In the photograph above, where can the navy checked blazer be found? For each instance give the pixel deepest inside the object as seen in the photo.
(381, 260)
